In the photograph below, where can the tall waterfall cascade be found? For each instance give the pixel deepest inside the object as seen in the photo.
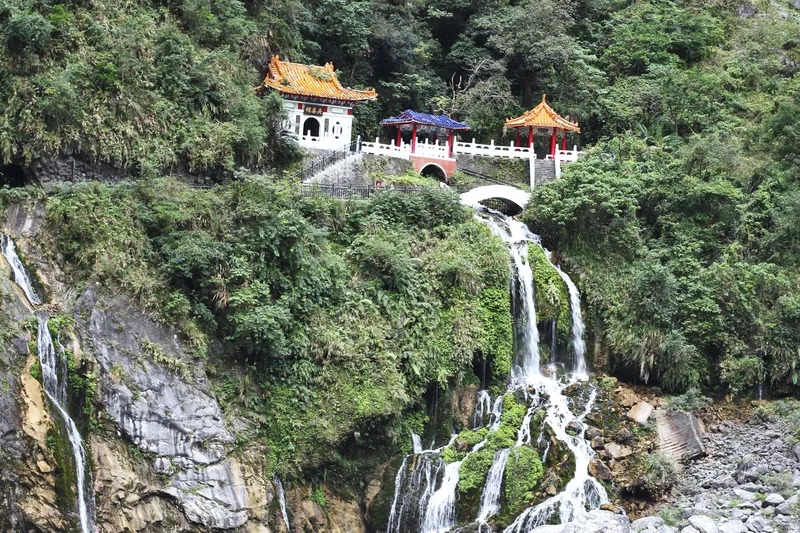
(428, 483)
(54, 384)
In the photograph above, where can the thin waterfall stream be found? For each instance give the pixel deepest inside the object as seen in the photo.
(281, 500)
(427, 481)
(54, 380)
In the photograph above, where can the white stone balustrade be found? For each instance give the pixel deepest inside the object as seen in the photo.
(493, 150)
(392, 150)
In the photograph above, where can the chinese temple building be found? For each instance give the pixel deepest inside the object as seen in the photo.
(320, 110)
(437, 149)
(542, 120)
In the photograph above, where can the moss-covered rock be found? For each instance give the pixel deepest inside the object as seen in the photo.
(497, 330)
(522, 475)
(474, 469)
(451, 454)
(552, 296)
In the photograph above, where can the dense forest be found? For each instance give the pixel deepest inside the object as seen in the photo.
(680, 223)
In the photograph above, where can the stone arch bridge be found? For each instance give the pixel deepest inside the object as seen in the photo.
(515, 198)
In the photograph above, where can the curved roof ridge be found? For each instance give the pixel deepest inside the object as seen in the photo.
(542, 116)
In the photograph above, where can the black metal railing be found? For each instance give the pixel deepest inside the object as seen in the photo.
(489, 179)
(321, 163)
(355, 192)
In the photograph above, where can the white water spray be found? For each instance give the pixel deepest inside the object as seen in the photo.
(57, 394)
(20, 276)
(490, 498)
(517, 237)
(578, 327)
(281, 500)
(482, 407)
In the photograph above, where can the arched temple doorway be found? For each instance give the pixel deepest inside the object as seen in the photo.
(311, 127)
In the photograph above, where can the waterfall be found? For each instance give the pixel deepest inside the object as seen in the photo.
(54, 382)
(582, 490)
(497, 412)
(413, 490)
(425, 486)
(20, 276)
(416, 442)
(578, 328)
(517, 237)
(490, 498)
(57, 396)
(281, 499)
(482, 408)
(440, 515)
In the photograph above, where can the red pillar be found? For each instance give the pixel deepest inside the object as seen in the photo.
(564, 141)
(414, 139)
(530, 136)
(399, 135)
(553, 143)
(450, 143)
(517, 143)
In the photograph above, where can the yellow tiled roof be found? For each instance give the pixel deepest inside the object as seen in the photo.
(542, 116)
(295, 79)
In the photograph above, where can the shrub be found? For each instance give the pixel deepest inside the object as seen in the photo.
(659, 474)
(688, 402)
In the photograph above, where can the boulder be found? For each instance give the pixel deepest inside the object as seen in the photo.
(573, 428)
(703, 524)
(593, 432)
(640, 412)
(624, 435)
(599, 470)
(617, 451)
(629, 399)
(734, 526)
(597, 443)
(679, 435)
(598, 521)
(744, 495)
(461, 445)
(756, 523)
(796, 451)
(773, 500)
(650, 524)
(689, 529)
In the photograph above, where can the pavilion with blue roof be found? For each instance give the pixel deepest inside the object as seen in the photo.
(414, 122)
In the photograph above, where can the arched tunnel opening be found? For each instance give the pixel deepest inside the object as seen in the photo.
(434, 171)
(12, 176)
(507, 208)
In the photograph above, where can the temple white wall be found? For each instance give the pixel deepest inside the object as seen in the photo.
(322, 126)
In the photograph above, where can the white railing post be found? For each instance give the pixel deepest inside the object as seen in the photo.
(557, 161)
(532, 168)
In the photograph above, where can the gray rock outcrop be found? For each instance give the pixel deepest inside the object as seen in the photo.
(679, 435)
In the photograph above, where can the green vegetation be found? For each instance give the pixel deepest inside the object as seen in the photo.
(658, 474)
(677, 223)
(788, 410)
(342, 315)
(688, 402)
(552, 296)
(523, 472)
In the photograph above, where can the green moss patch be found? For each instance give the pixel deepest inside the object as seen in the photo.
(522, 475)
